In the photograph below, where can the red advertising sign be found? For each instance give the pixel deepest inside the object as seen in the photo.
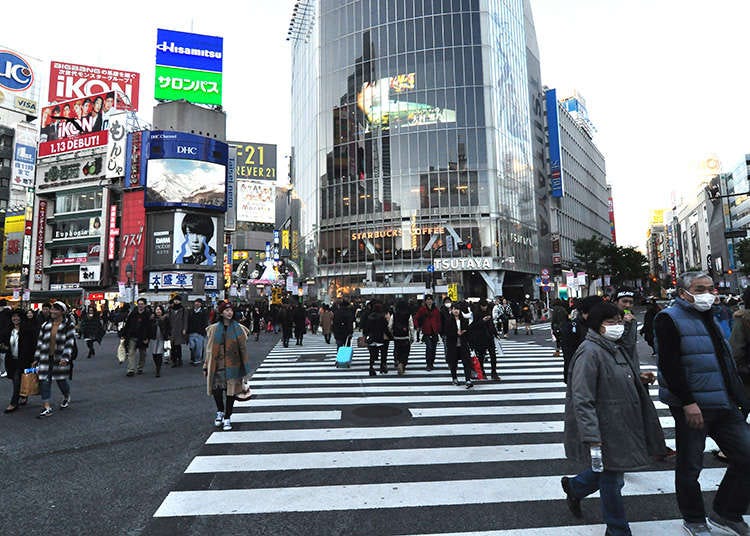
(69, 260)
(611, 209)
(41, 218)
(96, 296)
(76, 124)
(114, 232)
(73, 81)
(132, 236)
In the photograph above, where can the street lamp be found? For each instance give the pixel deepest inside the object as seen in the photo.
(129, 273)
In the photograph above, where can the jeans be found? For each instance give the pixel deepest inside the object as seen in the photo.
(401, 349)
(141, 360)
(430, 343)
(45, 387)
(730, 431)
(196, 343)
(381, 351)
(609, 484)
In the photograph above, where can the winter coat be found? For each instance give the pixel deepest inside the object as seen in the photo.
(92, 328)
(450, 330)
(299, 317)
(375, 329)
(232, 342)
(343, 322)
(428, 320)
(158, 336)
(26, 347)
(64, 342)
(605, 402)
(402, 326)
(138, 327)
(482, 332)
(197, 321)
(740, 343)
(559, 317)
(326, 321)
(178, 320)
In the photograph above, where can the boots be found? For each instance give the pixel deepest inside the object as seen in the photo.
(157, 363)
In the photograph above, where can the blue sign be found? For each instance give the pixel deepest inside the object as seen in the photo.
(557, 186)
(189, 50)
(25, 154)
(430, 268)
(15, 72)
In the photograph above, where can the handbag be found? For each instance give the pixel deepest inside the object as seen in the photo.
(29, 384)
(477, 366)
(361, 342)
(122, 351)
(245, 394)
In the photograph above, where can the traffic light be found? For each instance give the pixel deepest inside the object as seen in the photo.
(729, 272)
(464, 245)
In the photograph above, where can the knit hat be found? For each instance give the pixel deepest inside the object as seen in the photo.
(60, 305)
(225, 305)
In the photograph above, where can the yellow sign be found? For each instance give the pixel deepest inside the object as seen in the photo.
(657, 217)
(285, 239)
(453, 292)
(276, 296)
(240, 255)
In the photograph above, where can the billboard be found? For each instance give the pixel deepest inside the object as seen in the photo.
(183, 170)
(67, 172)
(380, 102)
(159, 239)
(188, 66)
(256, 201)
(41, 228)
(132, 240)
(18, 82)
(15, 226)
(195, 239)
(76, 124)
(180, 280)
(24, 158)
(73, 81)
(255, 160)
(557, 183)
(115, 161)
(133, 159)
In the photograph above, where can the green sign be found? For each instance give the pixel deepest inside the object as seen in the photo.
(202, 87)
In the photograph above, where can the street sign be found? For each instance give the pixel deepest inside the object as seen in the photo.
(735, 233)
(545, 272)
(538, 280)
(430, 268)
(546, 288)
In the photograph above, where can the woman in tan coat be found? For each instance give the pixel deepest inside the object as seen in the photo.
(326, 322)
(226, 363)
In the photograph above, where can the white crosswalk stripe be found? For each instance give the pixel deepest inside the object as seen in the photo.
(315, 442)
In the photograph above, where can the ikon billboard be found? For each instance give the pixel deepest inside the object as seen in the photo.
(76, 124)
(73, 81)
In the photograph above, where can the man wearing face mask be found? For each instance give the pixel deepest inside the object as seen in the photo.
(699, 382)
(624, 299)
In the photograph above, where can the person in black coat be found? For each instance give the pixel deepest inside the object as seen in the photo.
(376, 333)
(573, 332)
(136, 332)
(20, 340)
(343, 324)
(92, 329)
(285, 320)
(456, 331)
(482, 334)
(299, 317)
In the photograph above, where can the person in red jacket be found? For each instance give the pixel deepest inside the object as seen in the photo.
(428, 320)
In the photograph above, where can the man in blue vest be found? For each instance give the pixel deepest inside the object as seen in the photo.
(698, 380)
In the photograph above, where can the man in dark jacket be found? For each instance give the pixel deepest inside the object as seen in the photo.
(299, 316)
(178, 322)
(285, 320)
(573, 332)
(482, 335)
(428, 320)
(136, 332)
(698, 380)
(197, 323)
(343, 324)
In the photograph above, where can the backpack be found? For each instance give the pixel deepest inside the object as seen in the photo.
(401, 325)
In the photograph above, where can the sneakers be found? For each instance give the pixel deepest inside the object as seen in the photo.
(574, 504)
(469, 384)
(401, 369)
(219, 418)
(46, 412)
(696, 529)
(65, 402)
(227, 425)
(738, 528)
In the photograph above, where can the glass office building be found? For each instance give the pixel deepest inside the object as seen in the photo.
(412, 149)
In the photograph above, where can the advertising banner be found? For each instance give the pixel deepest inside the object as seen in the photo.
(114, 232)
(82, 228)
(90, 274)
(255, 160)
(256, 201)
(184, 170)
(556, 178)
(76, 124)
(188, 66)
(159, 239)
(132, 240)
(193, 86)
(134, 160)
(180, 280)
(195, 239)
(230, 219)
(19, 90)
(24, 158)
(115, 162)
(73, 81)
(67, 172)
(15, 225)
(41, 222)
(611, 210)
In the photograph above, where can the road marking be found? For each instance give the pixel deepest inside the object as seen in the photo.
(402, 494)
(287, 416)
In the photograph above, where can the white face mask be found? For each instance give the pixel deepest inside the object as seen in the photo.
(702, 302)
(613, 333)
(447, 305)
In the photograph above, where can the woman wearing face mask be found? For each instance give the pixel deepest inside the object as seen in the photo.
(610, 421)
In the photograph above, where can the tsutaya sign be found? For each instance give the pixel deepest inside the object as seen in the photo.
(464, 263)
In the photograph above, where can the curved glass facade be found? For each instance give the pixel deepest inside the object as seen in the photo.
(420, 121)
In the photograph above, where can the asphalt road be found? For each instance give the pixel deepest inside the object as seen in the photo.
(103, 465)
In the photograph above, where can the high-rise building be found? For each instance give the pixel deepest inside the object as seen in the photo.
(412, 146)
(579, 195)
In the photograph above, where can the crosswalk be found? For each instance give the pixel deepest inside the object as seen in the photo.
(320, 450)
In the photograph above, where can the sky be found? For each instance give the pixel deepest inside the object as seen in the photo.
(663, 80)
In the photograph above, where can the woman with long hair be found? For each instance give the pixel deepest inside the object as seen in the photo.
(160, 333)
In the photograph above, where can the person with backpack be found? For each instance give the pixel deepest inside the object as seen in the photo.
(558, 320)
(402, 328)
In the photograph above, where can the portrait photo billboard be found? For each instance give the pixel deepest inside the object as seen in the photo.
(195, 238)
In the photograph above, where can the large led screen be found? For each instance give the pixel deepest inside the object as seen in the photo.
(185, 183)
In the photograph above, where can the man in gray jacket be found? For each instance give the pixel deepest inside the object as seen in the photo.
(699, 382)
